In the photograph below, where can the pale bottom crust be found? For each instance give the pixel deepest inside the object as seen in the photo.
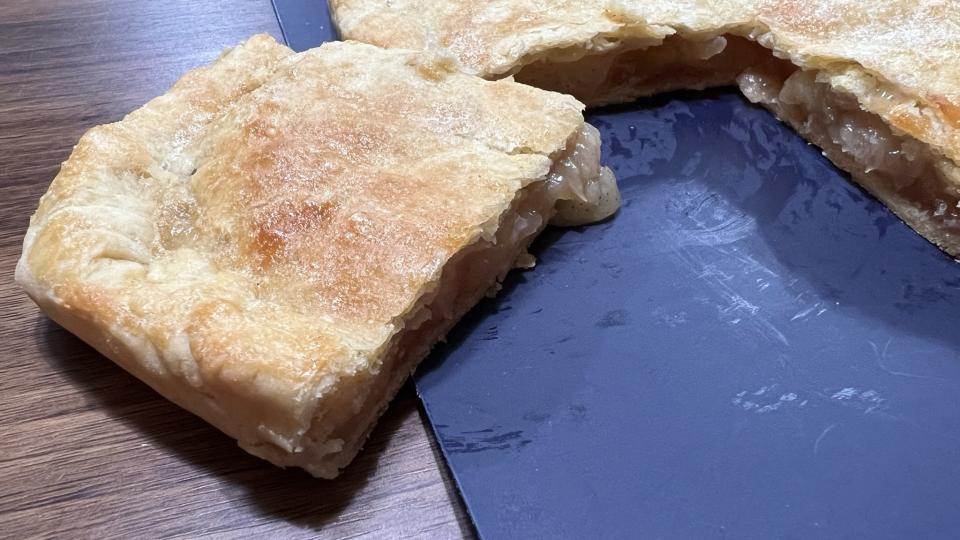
(921, 186)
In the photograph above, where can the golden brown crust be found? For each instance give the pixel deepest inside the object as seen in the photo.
(900, 57)
(260, 231)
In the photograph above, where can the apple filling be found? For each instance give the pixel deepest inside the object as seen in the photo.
(625, 74)
(919, 184)
(905, 174)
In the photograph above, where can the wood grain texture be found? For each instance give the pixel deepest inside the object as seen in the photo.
(87, 450)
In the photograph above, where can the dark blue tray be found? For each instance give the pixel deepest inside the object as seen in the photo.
(753, 347)
(304, 23)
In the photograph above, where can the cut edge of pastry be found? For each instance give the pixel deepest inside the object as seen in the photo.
(576, 191)
(891, 143)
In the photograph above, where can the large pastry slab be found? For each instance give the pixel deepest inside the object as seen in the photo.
(876, 84)
(278, 240)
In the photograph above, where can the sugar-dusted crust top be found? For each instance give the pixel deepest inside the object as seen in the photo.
(261, 230)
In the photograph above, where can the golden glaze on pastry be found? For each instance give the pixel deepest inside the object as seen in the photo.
(895, 61)
(278, 240)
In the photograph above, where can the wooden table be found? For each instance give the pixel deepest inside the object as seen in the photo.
(87, 450)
